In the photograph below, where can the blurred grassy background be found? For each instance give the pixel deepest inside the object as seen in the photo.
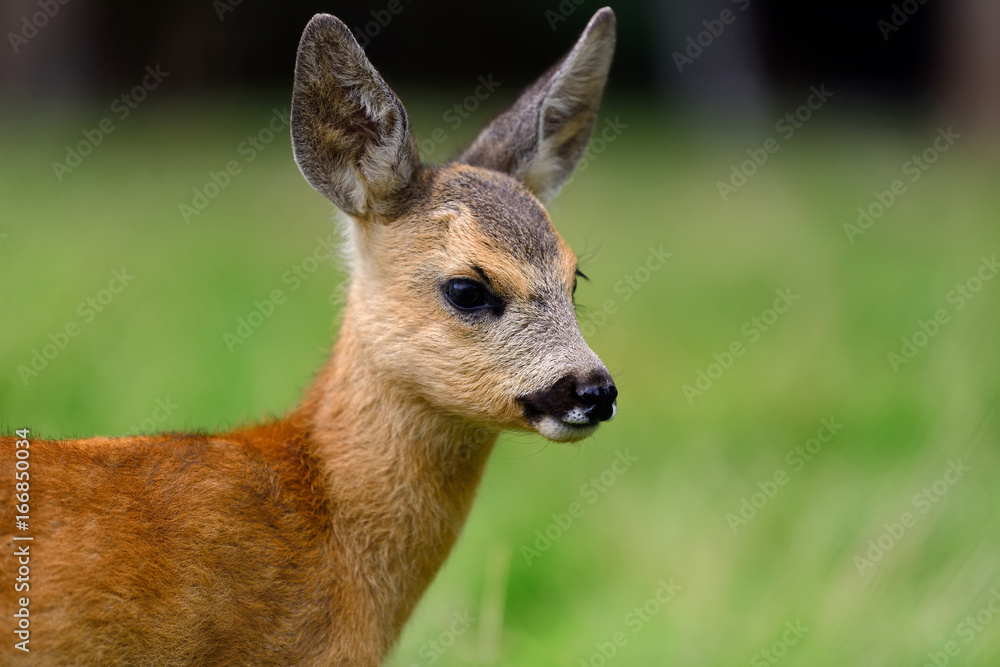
(665, 518)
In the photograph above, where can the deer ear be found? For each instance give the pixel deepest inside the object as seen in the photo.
(350, 134)
(542, 137)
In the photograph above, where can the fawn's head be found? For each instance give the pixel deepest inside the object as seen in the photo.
(461, 289)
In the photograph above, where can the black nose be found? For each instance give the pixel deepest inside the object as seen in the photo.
(573, 400)
(598, 397)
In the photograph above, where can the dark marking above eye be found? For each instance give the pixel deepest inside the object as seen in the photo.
(482, 274)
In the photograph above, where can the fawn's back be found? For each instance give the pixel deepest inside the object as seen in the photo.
(168, 546)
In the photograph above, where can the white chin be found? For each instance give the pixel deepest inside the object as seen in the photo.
(561, 431)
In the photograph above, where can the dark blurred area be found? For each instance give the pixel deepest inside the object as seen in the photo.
(725, 56)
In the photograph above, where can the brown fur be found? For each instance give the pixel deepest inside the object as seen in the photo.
(309, 540)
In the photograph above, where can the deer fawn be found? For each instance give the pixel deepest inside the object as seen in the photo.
(309, 540)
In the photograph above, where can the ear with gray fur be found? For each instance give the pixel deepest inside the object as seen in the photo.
(350, 134)
(542, 137)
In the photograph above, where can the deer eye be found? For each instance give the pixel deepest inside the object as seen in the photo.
(467, 294)
(578, 274)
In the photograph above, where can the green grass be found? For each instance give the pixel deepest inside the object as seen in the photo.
(665, 517)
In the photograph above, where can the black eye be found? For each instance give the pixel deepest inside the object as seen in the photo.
(579, 274)
(467, 294)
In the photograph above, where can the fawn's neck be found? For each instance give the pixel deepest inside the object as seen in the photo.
(401, 478)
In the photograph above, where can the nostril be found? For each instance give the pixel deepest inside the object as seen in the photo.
(590, 395)
(599, 400)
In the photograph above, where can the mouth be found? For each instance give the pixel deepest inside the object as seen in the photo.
(574, 425)
(560, 430)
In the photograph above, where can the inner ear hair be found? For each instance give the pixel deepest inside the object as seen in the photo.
(541, 138)
(350, 133)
